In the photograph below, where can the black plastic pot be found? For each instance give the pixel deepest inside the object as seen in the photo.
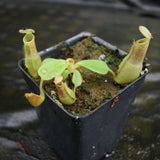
(87, 137)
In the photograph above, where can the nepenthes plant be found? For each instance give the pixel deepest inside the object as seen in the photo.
(61, 69)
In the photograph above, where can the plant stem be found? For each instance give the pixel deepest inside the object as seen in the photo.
(111, 72)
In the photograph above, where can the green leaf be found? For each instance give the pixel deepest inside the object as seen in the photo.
(77, 78)
(47, 60)
(97, 66)
(51, 68)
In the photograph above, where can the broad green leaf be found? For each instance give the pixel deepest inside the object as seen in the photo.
(97, 66)
(47, 60)
(77, 78)
(51, 68)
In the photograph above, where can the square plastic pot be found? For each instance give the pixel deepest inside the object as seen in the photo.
(87, 137)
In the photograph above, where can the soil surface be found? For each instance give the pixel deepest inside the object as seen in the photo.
(96, 88)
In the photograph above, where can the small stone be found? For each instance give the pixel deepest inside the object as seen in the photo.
(102, 56)
(53, 93)
(146, 70)
(142, 73)
(152, 146)
(139, 152)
